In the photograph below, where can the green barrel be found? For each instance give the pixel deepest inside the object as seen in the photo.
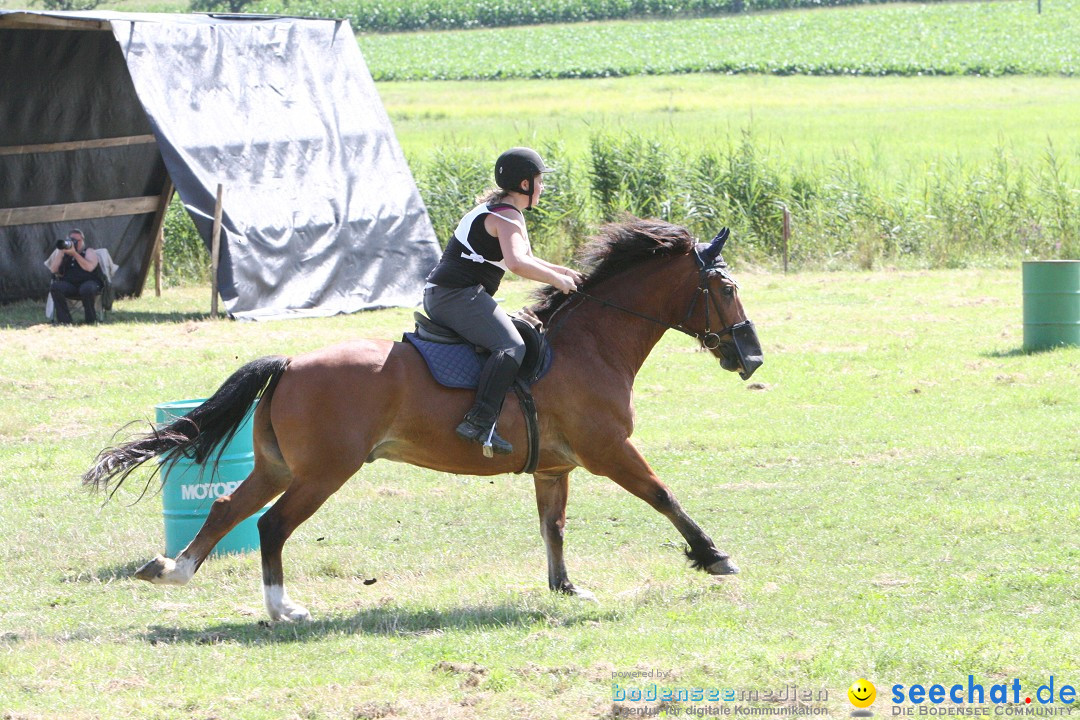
(1051, 304)
(189, 490)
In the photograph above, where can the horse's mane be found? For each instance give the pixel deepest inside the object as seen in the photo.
(616, 247)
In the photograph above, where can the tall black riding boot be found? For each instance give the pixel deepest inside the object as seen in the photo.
(479, 423)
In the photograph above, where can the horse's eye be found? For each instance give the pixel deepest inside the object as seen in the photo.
(729, 291)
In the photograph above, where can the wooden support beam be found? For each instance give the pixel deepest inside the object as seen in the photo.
(157, 262)
(78, 211)
(154, 249)
(79, 145)
(215, 253)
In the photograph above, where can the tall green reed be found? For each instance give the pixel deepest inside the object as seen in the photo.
(846, 213)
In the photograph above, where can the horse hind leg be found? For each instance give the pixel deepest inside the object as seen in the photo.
(299, 502)
(263, 484)
(552, 492)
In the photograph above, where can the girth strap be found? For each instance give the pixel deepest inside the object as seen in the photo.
(532, 427)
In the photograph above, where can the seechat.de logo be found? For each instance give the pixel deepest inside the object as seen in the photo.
(862, 693)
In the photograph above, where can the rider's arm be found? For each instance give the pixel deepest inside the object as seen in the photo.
(518, 257)
(569, 272)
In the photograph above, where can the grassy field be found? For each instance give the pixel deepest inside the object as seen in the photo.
(995, 38)
(897, 125)
(900, 493)
(915, 172)
(900, 490)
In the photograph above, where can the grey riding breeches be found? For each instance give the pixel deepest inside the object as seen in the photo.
(475, 316)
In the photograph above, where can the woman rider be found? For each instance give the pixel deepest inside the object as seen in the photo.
(489, 240)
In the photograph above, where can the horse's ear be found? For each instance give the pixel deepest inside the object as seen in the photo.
(716, 246)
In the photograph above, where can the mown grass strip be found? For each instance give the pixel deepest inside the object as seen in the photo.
(985, 39)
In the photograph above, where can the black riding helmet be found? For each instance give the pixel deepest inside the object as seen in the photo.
(517, 164)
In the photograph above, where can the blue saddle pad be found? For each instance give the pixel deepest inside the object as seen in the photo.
(459, 365)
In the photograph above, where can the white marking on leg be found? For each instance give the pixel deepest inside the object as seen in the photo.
(184, 570)
(280, 607)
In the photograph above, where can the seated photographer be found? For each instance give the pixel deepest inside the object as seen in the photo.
(72, 265)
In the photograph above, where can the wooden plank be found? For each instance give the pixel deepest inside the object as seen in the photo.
(78, 211)
(154, 248)
(79, 145)
(45, 22)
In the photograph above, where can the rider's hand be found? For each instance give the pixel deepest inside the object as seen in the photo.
(564, 283)
(574, 275)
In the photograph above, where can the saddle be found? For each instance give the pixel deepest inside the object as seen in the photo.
(454, 362)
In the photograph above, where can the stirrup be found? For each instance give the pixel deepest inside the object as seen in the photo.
(492, 443)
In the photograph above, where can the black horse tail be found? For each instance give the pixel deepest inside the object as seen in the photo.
(212, 424)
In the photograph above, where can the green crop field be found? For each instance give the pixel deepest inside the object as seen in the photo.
(406, 15)
(923, 171)
(943, 171)
(895, 125)
(900, 491)
(399, 15)
(986, 39)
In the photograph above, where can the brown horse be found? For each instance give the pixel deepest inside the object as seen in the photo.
(322, 415)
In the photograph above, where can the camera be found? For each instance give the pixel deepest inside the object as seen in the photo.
(64, 243)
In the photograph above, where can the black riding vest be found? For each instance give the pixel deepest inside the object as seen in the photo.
(477, 260)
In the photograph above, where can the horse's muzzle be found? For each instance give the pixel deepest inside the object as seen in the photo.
(743, 351)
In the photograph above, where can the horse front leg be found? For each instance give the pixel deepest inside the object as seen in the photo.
(625, 465)
(552, 491)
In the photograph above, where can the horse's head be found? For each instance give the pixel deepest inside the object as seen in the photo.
(716, 316)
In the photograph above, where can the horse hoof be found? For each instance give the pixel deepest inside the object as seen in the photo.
(724, 566)
(153, 571)
(163, 571)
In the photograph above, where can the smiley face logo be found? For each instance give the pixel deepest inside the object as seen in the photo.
(862, 693)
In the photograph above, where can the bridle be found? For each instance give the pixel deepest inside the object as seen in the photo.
(741, 352)
(709, 340)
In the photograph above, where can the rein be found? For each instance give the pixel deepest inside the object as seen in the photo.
(709, 340)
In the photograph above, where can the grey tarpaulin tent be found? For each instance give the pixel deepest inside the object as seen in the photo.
(101, 113)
